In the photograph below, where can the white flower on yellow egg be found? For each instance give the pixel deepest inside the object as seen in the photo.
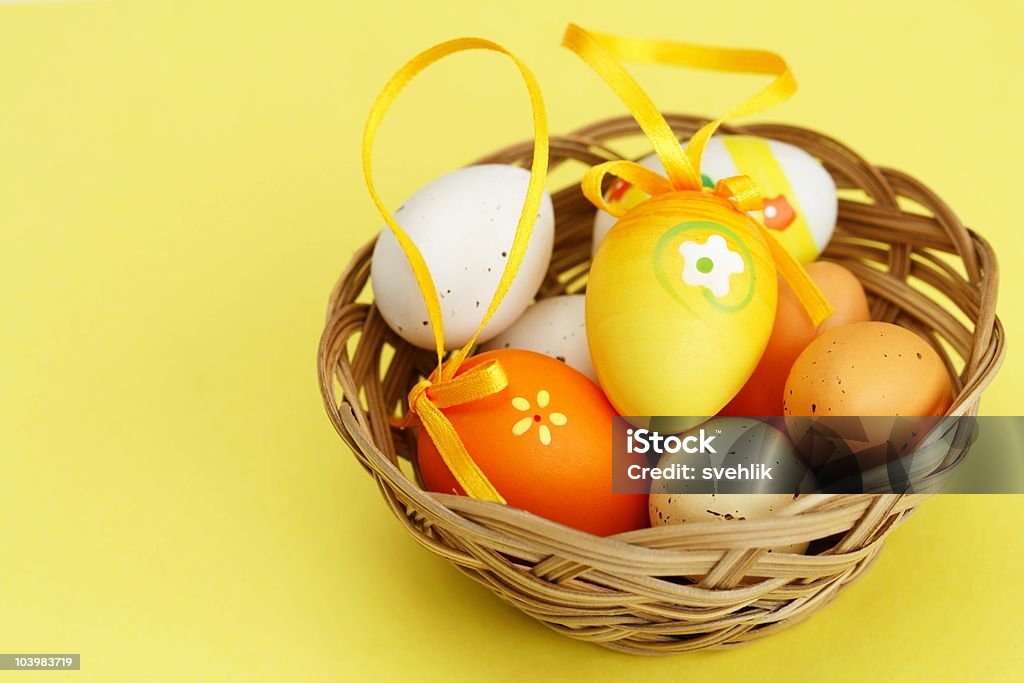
(710, 264)
(523, 425)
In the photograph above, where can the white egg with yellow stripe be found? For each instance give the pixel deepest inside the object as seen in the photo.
(800, 202)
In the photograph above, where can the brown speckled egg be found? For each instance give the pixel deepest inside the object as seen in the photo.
(888, 378)
(868, 368)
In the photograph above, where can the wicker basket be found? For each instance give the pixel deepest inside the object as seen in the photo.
(921, 268)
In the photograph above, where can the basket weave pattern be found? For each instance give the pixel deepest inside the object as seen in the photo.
(629, 592)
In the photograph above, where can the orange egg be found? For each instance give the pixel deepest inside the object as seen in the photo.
(887, 377)
(843, 290)
(792, 332)
(544, 442)
(868, 368)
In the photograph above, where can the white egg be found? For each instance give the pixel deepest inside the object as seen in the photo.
(463, 224)
(554, 327)
(737, 441)
(801, 204)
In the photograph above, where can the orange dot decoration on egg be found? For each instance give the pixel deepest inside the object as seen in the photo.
(544, 442)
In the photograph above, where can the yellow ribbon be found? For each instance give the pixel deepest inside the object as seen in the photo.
(427, 399)
(603, 52)
(445, 388)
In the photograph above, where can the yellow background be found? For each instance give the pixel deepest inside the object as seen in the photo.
(179, 188)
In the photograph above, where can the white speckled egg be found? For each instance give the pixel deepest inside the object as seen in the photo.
(800, 196)
(737, 441)
(555, 327)
(463, 224)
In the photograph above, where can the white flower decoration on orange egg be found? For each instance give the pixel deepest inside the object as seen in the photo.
(710, 264)
(523, 425)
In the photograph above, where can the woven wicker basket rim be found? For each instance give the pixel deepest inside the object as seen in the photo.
(553, 572)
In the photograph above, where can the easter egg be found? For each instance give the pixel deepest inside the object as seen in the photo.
(843, 290)
(800, 201)
(680, 302)
(463, 225)
(868, 368)
(738, 441)
(545, 444)
(868, 390)
(555, 327)
(793, 331)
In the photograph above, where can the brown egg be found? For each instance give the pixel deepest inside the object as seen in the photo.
(843, 290)
(867, 370)
(792, 332)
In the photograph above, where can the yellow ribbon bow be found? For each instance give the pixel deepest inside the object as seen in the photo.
(446, 387)
(427, 399)
(602, 52)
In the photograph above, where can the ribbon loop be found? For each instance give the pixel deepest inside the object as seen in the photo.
(602, 52)
(741, 191)
(444, 388)
(628, 171)
(418, 392)
(531, 203)
(598, 51)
